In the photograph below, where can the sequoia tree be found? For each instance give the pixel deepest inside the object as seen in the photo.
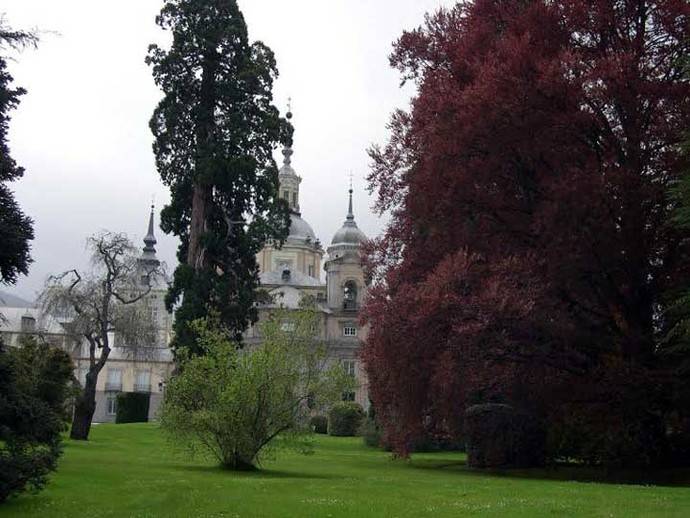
(529, 251)
(16, 229)
(215, 132)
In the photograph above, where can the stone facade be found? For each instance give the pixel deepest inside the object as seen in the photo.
(293, 271)
(143, 370)
(288, 273)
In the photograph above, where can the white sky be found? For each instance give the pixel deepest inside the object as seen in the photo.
(81, 132)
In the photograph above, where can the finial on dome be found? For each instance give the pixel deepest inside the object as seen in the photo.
(287, 154)
(287, 150)
(350, 215)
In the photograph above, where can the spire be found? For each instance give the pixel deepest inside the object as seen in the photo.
(350, 214)
(150, 238)
(349, 234)
(289, 179)
(148, 259)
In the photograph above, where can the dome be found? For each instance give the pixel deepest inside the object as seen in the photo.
(300, 229)
(349, 234)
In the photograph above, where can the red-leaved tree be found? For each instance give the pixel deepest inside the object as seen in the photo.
(529, 247)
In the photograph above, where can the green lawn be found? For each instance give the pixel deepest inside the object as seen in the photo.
(128, 471)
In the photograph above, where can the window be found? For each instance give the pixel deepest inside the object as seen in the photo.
(349, 367)
(286, 195)
(294, 200)
(288, 327)
(28, 324)
(350, 295)
(111, 405)
(311, 270)
(114, 382)
(142, 381)
(349, 330)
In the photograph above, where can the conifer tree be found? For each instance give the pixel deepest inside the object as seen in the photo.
(215, 131)
(16, 229)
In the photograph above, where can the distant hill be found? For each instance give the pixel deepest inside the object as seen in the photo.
(8, 300)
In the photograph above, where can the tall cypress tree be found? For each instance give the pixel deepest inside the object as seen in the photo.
(215, 131)
(16, 229)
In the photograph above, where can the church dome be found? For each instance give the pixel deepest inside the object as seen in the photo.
(349, 233)
(300, 229)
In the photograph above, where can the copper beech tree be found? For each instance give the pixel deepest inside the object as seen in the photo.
(529, 251)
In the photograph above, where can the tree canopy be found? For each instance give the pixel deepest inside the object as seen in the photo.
(215, 132)
(237, 405)
(529, 251)
(105, 302)
(35, 384)
(16, 229)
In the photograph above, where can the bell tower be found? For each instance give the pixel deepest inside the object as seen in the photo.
(344, 271)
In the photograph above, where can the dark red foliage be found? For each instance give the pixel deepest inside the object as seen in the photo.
(528, 187)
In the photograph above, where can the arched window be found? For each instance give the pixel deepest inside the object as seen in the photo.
(350, 295)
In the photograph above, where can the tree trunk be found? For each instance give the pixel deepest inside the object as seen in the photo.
(195, 253)
(84, 409)
(202, 196)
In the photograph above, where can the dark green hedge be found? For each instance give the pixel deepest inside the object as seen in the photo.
(319, 424)
(132, 407)
(345, 418)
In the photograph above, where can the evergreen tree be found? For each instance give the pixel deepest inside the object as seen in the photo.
(215, 131)
(36, 382)
(16, 229)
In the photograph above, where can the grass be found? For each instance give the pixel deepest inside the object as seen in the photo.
(128, 471)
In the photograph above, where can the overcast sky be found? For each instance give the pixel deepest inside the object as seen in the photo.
(82, 135)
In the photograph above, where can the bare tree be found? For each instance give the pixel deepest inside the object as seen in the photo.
(101, 304)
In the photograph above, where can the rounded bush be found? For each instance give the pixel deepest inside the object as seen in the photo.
(371, 433)
(132, 407)
(344, 419)
(502, 436)
(319, 424)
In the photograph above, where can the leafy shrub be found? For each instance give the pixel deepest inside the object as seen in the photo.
(344, 419)
(432, 443)
(319, 424)
(498, 435)
(235, 404)
(371, 433)
(35, 382)
(132, 407)
(617, 422)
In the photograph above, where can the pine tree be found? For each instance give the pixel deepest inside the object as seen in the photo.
(215, 131)
(16, 229)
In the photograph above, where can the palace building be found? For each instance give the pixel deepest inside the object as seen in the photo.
(293, 271)
(288, 273)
